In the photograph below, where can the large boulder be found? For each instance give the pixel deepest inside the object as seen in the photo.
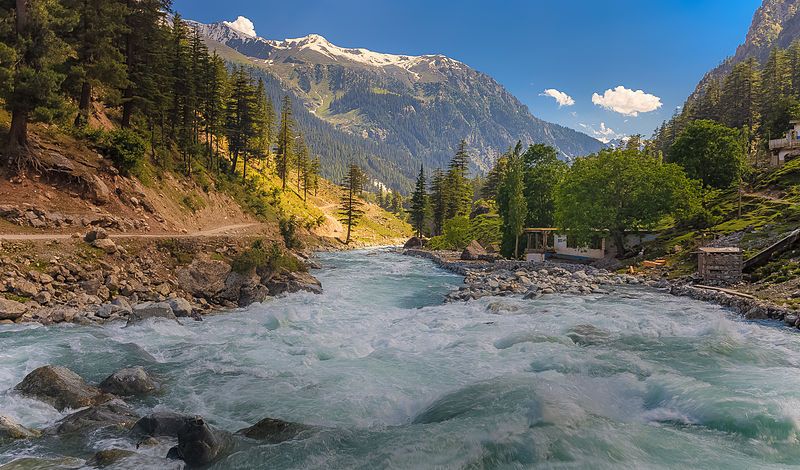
(235, 283)
(96, 234)
(203, 277)
(131, 381)
(161, 423)
(11, 309)
(288, 282)
(115, 413)
(181, 307)
(106, 244)
(61, 388)
(473, 252)
(199, 444)
(146, 310)
(414, 242)
(11, 430)
(275, 431)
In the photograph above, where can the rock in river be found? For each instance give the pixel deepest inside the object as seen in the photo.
(11, 309)
(274, 431)
(11, 430)
(112, 413)
(60, 387)
(128, 382)
(147, 310)
(199, 444)
(161, 423)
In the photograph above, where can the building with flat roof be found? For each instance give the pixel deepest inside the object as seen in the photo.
(788, 147)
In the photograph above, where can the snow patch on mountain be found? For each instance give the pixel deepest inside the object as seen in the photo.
(243, 25)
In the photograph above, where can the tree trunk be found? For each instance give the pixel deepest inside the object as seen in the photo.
(18, 133)
(619, 240)
(83, 105)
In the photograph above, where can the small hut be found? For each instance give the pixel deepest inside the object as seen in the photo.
(720, 264)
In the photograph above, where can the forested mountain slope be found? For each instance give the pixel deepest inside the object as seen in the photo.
(406, 109)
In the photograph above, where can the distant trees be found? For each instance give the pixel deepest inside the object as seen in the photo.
(543, 174)
(710, 152)
(619, 190)
(350, 204)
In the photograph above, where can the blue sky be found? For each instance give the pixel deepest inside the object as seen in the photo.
(578, 47)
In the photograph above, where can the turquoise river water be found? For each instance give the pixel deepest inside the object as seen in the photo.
(397, 379)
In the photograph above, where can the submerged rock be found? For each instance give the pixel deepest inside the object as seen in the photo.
(61, 388)
(112, 413)
(128, 382)
(108, 457)
(11, 430)
(275, 431)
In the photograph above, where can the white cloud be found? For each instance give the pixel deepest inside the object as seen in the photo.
(561, 98)
(628, 102)
(243, 25)
(603, 134)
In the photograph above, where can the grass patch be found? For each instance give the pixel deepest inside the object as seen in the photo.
(17, 298)
(193, 202)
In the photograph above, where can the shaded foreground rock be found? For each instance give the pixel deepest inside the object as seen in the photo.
(61, 388)
(11, 430)
(161, 423)
(275, 431)
(108, 457)
(112, 413)
(199, 444)
(129, 382)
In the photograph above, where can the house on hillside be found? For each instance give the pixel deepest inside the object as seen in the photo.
(548, 243)
(786, 148)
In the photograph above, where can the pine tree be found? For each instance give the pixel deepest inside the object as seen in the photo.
(419, 203)
(214, 106)
(314, 173)
(438, 200)
(494, 178)
(350, 211)
(459, 189)
(739, 98)
(776, 81)
(301, 163)
(97, 58)
(38, 51)
(144, 47)
(285, 141)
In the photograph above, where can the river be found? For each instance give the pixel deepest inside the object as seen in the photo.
(396, 379)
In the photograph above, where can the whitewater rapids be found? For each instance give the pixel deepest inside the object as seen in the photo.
(397, 379)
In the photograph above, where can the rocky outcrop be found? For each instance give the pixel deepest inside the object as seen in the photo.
(199, 444)
(473, 252)
(414, 242)
(61, 388)
(11, 309)
(115, 413)
(40, 218)
(132, 381)
(275, 431)
(289, 282)
(147, 310)
(204, 277)
(11, 430)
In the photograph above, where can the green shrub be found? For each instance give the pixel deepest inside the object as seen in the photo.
(458, 232)
(193, 202)
(126, 149)
(271, 258)
(288, 227)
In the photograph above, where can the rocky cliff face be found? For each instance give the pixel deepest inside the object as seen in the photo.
(423, 105)
(776, 23)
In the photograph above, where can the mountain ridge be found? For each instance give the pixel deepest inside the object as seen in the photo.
(420, 105)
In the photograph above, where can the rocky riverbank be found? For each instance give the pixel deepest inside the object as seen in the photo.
(96, 280)
(532, 280)
(105, 409)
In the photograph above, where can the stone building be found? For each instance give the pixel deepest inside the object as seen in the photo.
(788, 147)
(720, 264)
